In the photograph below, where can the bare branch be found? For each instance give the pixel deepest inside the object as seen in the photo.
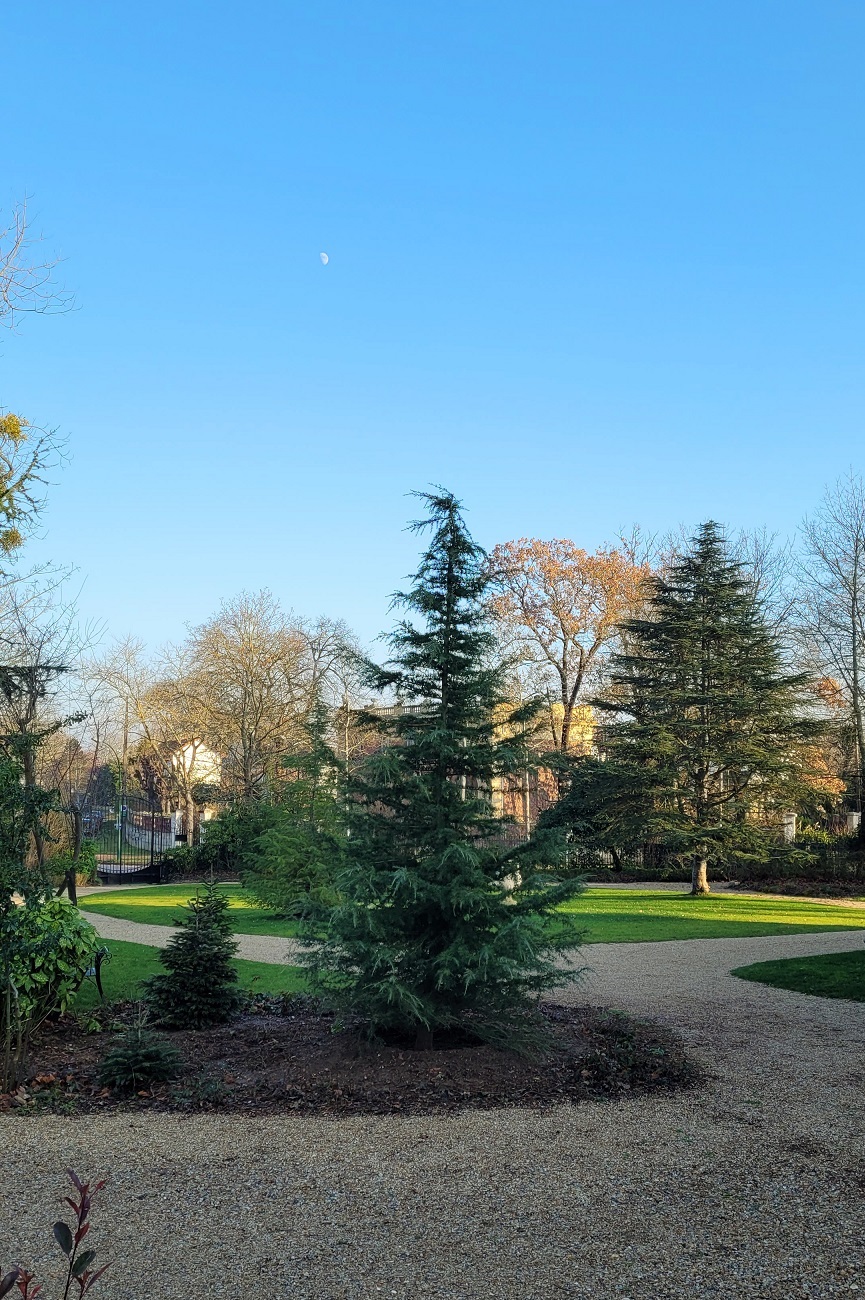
(26, 277)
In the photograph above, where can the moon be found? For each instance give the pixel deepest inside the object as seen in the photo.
(324, 259)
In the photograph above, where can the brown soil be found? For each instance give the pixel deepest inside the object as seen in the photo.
(284, 1056)
(803, 887)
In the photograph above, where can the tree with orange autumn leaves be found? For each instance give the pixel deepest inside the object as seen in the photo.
(560, 607)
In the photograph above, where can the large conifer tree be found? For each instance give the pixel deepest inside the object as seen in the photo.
(708, 742)
(439, 925)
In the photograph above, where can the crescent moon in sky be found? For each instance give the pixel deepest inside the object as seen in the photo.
(324, 259)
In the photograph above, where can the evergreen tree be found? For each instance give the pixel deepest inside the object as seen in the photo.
(438, 926)
(709, 741)
(138, 1058)
(198, 988)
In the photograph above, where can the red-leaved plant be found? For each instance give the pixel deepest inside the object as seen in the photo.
(79, 1271)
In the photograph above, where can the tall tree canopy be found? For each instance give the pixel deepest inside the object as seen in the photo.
(710, 732)
(562, 608)
(439, 924)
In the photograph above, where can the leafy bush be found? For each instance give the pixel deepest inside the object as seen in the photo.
(86, 868)
(79, 1271)
(46, 949)
(224, 844)
(812, 835)
(55, 945)
(835, 863)
(138, 1059)
(292, 862)
(198, 988)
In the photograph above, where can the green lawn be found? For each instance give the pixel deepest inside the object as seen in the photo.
(833, 975)
(132, 962)
(162, 904)
(606, 915)
(643, 915)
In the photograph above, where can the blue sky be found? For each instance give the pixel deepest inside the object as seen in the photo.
(590, 264)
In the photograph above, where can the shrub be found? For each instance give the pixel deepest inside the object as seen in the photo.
(138, 1059)
(223, 846)
(833, 864)
(813, 835)
(292, 862)
(47, 948)
(198, 988)
(56, 946)
(86, 867)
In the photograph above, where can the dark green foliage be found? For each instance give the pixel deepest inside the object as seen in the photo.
(595, 813)
(438, 926)
(708, 744)
(23, 809)
(25, 940)
(225, 843)
(137, 1059)
(199, 986)
(292, 862)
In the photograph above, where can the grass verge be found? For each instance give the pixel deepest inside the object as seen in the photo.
(830, 975)
(163, 905)
(132, 962)
(644, 916)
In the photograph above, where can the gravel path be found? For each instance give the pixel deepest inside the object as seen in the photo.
(750, 1187)
(252, 947)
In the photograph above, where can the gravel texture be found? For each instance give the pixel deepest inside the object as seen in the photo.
(751, 1186)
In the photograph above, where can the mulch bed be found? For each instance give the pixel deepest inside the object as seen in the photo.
(801, 886)
(283, 1056)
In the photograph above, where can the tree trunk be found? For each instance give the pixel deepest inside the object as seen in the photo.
(77, 841)
(699, 877)
(29, 767)
(189, 820)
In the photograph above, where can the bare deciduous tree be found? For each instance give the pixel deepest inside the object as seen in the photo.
(234, 696)
(26, 274)
(832, 596)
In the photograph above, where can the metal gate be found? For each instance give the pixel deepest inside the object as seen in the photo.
(131, 838)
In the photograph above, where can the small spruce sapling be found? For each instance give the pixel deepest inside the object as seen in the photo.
(139, 1058)
(199, 986)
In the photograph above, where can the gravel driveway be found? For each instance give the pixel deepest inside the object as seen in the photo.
(752, 1186)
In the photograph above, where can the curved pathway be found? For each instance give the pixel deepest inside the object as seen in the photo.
(251, 947)
(647, 972)
(749, 1186)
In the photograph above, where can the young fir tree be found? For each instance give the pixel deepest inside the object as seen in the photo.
(711, 743)
(198, 988)
(438, 926)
